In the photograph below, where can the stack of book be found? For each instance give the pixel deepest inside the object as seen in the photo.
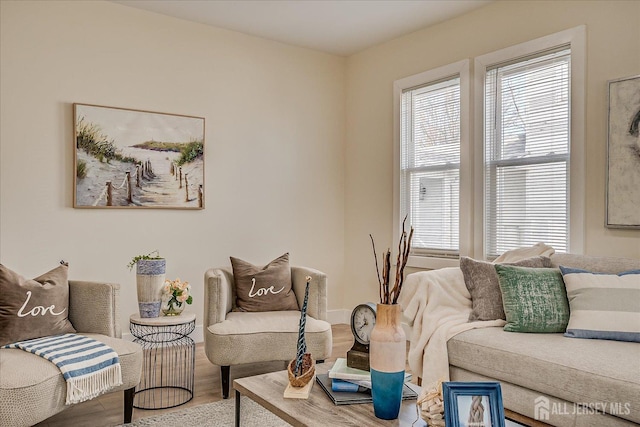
(345, 385)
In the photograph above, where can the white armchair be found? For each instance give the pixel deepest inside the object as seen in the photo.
(33, 389)
(234, 338)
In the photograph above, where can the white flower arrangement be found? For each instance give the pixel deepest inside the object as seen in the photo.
(177, 292)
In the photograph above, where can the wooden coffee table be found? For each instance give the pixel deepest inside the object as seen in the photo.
(318, 410)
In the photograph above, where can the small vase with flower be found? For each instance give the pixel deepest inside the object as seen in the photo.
(175, 296)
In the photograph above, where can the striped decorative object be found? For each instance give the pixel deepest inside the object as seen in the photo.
(150, 275)
(603, 306)
(302, 342)
(89, 367)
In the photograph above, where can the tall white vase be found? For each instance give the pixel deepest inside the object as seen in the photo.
(150, 276)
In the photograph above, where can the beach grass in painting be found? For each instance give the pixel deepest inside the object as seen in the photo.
(133, 158)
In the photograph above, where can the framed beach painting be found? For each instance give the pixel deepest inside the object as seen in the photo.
(128, 158)
(623, 154)
(473, 404)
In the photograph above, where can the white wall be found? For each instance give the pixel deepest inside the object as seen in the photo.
(274, 144)
(613, 51)
(298, 143)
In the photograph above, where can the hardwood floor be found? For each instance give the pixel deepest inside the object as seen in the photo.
(107, 410)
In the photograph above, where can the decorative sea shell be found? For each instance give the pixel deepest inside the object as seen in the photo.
(431, 405)
(308, 371)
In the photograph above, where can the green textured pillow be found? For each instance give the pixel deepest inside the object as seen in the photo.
(534, 299)
(481, 281)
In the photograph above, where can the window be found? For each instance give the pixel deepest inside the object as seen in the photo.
(518, 180)
(529, 169)
(430, 163)
(431, 108)
(526, 146)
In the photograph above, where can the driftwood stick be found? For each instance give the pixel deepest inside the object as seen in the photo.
(384, 277)
(386, 284)
(398, 281)
(394, 290)
(375, 258)
(407, 250)
(401, 265)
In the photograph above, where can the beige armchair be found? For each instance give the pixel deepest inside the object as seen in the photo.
(32, 389)
(234, 338)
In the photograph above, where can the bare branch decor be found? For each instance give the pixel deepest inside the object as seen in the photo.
(390, 296)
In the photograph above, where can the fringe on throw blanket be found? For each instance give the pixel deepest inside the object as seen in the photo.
(89, 367)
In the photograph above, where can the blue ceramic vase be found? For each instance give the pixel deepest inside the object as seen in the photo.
(388, 354)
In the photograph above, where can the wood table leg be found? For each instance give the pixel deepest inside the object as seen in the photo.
(237, 408)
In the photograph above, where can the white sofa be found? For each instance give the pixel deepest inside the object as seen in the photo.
(580, 382)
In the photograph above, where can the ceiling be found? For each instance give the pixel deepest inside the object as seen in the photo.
(340, 27)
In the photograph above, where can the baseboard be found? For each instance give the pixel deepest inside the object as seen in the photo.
(340, 316)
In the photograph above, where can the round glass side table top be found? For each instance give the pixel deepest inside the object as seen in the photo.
(168, 360)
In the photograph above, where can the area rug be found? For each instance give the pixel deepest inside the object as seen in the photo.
(216, 414)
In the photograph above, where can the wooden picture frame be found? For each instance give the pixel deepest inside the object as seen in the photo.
(126, 158)
(471, 404)
(623, 154)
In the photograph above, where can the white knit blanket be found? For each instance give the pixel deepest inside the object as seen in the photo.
(436, 305)
(89, 367)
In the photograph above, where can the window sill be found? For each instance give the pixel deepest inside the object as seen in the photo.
(432, 263)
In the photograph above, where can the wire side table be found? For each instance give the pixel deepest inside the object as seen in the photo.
(168, 360)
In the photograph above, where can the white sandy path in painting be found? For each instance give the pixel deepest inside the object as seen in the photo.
(161, 190)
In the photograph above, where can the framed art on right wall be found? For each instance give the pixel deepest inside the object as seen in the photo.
(623, 154)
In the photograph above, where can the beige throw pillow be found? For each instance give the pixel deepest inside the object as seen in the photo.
(33, 308)
(265, 288)
(481, 280)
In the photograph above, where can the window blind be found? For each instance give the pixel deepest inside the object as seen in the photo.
(527, 134)
(430, 165)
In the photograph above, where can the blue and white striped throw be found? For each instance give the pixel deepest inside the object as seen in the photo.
(89, 367)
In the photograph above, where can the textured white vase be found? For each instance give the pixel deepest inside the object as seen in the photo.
(150, 277)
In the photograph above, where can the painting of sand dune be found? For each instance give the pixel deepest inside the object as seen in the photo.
(137, 159)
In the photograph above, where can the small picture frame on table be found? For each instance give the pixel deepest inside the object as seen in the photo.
(473, 404)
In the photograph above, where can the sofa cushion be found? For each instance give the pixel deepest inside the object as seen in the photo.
(598, 264)
(266, 322)
(603, 306)
(534, 299)
(265, 288)
(481, 280)
(33, 308)
(38, 377)
(275, 333)
(605, 371)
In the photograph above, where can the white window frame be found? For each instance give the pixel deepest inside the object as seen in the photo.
(472, 142)
(461, 69)
(576, 38)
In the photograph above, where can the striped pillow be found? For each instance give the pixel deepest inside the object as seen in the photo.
(603, 306)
